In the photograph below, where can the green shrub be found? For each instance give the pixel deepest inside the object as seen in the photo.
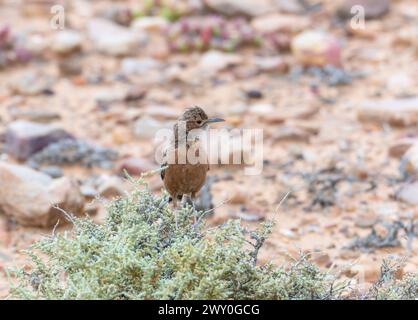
(390, 288)
(140, 253)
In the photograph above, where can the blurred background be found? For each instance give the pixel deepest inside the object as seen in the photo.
(85, 85)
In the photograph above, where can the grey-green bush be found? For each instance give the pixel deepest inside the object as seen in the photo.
(140, 252)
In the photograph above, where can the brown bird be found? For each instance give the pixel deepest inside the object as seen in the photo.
(183, 180)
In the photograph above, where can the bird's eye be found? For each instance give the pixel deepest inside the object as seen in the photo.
(199, 122)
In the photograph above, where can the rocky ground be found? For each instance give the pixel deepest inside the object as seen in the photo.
(338, 105)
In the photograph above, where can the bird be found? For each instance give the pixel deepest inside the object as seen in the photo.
(183, 180)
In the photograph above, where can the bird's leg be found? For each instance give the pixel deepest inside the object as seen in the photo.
(185, 200)
(174, 198)
(192, 199)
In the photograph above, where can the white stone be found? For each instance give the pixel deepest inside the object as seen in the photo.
(113, 39)
(66, 41)
(275, 22)
(397, 112)
(31, 196)
(409, 162)
(247, 7)
(149, 24)
(409, 193)
(316, 48)
(138, 66)
(214, 61)
(268, 63)
(147, 127)
(261, 109)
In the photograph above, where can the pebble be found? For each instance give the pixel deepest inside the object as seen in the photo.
(407, 37)
(400, 85)
(409, 193)
(70, 65)
(53, 171)
(254, 94)
(396, 112)
(290, 6)
(30, 196)
(331, 75)
(22, 54)
(35, 8)
(288, 233)
(132, 66)
(135, 166)
(322, 259)
(121, 135)
(276, 22)
(66, 42)
(237, 109)
(118, 13)
(214, 61)
(37, 44)
(70, 151)
(107, 97)
(349, 254)
(238, 196)
(398, 148)
(262, 109)
(303, 112)
(373, 9)
(110, 187)
(34, 115)
(134, 93)
(32, 84)
(24, 138)
(147, 127)
(241, 7)
(271, 64)
(366, 220)
(113, 39)
(88, 191)
(150, 24)
(317, 48)
(291, 133)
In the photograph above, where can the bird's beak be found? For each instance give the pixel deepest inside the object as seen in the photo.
(213, 120)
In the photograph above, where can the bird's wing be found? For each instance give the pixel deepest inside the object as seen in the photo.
(163, 170)
(164, 163)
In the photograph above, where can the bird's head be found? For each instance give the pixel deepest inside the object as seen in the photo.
(196, 118)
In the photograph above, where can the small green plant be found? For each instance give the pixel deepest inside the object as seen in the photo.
(139, 253)
(168, 9)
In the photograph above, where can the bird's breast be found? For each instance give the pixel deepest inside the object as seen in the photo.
(185, 178)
